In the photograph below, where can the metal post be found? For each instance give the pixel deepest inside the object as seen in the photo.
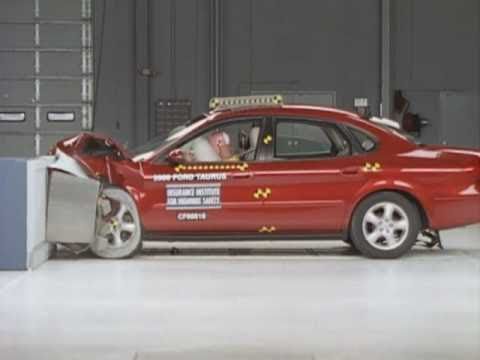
(386, 109)
(173, 49)
(216, 42)
(37, 78)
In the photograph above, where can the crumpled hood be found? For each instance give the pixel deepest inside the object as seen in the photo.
(78, 145)
(88, 155)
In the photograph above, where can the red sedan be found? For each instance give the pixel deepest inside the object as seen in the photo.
(269, 172)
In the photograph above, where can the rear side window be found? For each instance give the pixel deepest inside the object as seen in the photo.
(366, 141)
(306, 139)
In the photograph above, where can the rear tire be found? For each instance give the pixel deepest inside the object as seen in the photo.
(385, 226)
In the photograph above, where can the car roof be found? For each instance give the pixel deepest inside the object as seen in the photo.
(287, 110)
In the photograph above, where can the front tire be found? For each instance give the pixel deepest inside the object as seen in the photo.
(385, 226)
(118, 232)
(350, 243)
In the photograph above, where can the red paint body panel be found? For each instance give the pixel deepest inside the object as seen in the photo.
(307, 196)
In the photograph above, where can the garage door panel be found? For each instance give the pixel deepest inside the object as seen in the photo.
(61, 35)
(48, 141)
(16, 36)
(17, 92)
(58, 118)
(60, 9)
(46, 68)
(61, 64)
(10, 126)
(61, 91)
(18, 64)
(18, 10)
(17, 145)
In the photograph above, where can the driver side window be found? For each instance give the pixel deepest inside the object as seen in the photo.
(234, 141)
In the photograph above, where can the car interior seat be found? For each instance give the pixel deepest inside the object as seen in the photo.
(253, 140)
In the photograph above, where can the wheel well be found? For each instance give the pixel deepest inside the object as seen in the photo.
(410, 197)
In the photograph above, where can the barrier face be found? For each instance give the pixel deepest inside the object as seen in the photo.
(72, 205)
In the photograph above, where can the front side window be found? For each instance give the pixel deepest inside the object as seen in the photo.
(235, 141)
(306, 139)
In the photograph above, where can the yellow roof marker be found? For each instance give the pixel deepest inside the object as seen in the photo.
(219, 103)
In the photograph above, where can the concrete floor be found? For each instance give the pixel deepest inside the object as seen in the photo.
(335, 305)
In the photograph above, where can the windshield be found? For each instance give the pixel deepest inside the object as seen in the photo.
(157, 144)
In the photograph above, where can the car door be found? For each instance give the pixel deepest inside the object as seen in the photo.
(311, 174)
(207, 197)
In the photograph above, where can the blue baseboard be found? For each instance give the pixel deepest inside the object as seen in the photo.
(13, 214)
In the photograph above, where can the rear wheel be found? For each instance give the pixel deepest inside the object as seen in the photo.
(385, 226)
(118, 231)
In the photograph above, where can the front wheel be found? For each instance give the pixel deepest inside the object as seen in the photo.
(385, 226)
(118, 231)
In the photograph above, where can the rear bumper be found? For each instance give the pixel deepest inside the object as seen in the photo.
(455, 212)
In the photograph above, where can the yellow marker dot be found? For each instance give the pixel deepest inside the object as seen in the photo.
(242, 167)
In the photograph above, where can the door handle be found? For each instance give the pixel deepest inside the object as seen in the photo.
(242, 175)
(352, 170)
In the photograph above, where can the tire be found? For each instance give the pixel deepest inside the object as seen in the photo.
(350, 243)
(385, 226)
(118, 232)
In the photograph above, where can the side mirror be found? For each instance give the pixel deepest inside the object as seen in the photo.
(175, 157)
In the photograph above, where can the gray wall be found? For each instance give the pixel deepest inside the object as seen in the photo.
(272, 45)
(436, 45)
(303, 45)
(279, 45)
(116, 76)
(285, 45)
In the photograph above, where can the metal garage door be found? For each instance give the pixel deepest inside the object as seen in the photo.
(46, 73)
